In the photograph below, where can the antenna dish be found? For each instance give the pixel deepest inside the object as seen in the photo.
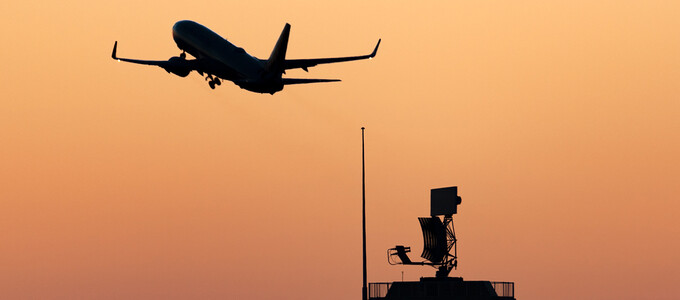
(434, 239)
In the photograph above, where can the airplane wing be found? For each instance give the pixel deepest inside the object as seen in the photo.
(176, 65)
(306, 63)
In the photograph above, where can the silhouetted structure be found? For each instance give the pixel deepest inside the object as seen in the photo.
(364, 287)
(439, 241)
(439, 237)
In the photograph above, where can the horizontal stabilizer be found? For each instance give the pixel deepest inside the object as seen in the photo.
(306, 80)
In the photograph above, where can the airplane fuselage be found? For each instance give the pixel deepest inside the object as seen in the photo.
(223, 59)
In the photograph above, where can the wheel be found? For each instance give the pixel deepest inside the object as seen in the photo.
(211, 84)
(217, 81)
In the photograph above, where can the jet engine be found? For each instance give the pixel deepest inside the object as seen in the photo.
(178, 66)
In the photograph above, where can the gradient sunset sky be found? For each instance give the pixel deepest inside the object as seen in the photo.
(559, 121)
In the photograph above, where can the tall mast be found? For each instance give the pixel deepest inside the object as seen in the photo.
(364, 288)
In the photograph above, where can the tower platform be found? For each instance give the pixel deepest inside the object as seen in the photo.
(449, 288)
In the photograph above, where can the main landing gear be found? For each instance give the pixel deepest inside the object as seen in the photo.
(213, 81)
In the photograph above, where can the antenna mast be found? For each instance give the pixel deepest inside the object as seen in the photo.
(364, 289)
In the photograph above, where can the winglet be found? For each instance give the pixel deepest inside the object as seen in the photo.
(113, 54)
(375, 51)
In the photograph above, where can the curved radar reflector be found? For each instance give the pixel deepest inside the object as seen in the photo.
(434, 239)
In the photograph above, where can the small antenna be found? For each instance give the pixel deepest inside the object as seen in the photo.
(364, 289)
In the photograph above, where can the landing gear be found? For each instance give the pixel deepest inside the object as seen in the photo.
(213, 81)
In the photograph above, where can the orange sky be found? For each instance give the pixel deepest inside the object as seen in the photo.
(558, 120)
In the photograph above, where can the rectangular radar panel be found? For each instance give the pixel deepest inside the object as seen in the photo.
(444, 201)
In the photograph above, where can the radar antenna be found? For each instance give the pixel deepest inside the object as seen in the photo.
(439, 236)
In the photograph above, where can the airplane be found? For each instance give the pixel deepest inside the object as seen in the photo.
(216, 58)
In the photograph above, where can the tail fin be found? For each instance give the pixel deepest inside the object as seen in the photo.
(276, 60)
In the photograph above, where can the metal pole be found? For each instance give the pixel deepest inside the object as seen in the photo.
(364, 289)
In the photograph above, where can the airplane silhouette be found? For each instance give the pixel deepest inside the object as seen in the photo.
(218, 58)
